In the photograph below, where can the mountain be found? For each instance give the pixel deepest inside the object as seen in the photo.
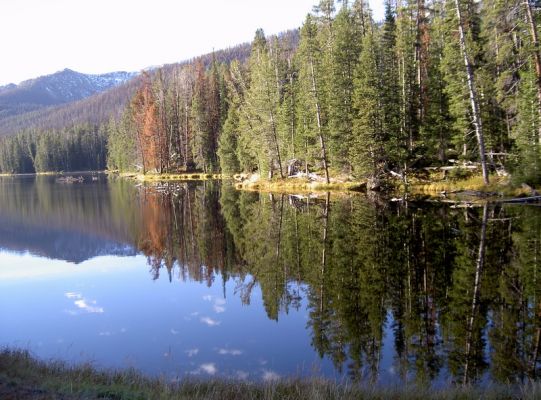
(100, 107)
(93, 110)
(58, 244)
(59, 88)
(7, 87)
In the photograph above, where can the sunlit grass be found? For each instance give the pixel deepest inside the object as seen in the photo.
(299, 185)
(435, 184)
(24, 377)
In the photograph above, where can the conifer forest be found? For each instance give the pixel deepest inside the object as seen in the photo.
(347, 209)
(436, 81)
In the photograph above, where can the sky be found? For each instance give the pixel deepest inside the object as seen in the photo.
(40, 37)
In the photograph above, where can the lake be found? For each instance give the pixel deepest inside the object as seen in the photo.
(199, 279)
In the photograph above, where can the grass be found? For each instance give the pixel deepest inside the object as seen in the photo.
(24, 377)
(435, 183)
(297, 185)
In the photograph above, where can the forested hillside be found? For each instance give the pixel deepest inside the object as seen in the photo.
(55, 130)
(437, 80)
(58, 88)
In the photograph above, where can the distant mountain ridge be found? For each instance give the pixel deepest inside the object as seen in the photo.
(62, 87)
(99, 107)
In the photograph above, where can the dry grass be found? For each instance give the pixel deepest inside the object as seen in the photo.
(24, 377)
(435, 184)
(299, 185)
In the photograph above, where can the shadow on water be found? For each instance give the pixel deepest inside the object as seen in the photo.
(441, 294)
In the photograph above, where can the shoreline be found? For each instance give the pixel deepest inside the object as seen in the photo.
(59, 173)
(23, 376)
(499, 190)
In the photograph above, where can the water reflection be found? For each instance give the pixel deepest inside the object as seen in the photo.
(391, 291)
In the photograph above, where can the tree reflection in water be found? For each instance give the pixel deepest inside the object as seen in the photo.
(457, 289)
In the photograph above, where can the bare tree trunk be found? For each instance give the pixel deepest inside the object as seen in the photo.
(272, 118)
(477, 122)
(292, 108)
(476, 290)
(186, 141)
(277, 148)
(324, 251)
(536, 57)
(319, 127)
(421, 50)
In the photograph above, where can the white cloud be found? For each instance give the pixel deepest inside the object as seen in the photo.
(209, 321)
(209, 368)
(269, 376)
(189, 317)
(106, 333)
(242, 375)
(218, 309)
(82, 304)
(174, 332)
(219, 305)
(230, 352)
(192, 352)
(89, 306)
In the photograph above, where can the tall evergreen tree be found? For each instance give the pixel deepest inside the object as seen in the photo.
(368, 147)
(346, 45)
(312, 96)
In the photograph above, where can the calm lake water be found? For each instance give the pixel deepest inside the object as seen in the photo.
(199, 279)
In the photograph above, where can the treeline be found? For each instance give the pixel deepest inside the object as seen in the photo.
(436, 80)
(22, 132)
(81, 148)
(176, 119)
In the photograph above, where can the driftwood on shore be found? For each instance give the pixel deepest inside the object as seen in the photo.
(70, 179)
(458, 203)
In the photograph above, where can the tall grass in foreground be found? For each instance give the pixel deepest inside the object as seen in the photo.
(24, 377)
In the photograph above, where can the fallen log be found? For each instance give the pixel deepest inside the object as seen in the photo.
(518, 200)
(532, 191)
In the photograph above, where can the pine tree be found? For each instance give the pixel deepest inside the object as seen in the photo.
(368, 150)
(347, 38)
(262, 102)
(436, 130)
(528, 164)
(228, 143)
(461, 57)
(202, 143)
(394, 135)
(311, 95)
(410, 56)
